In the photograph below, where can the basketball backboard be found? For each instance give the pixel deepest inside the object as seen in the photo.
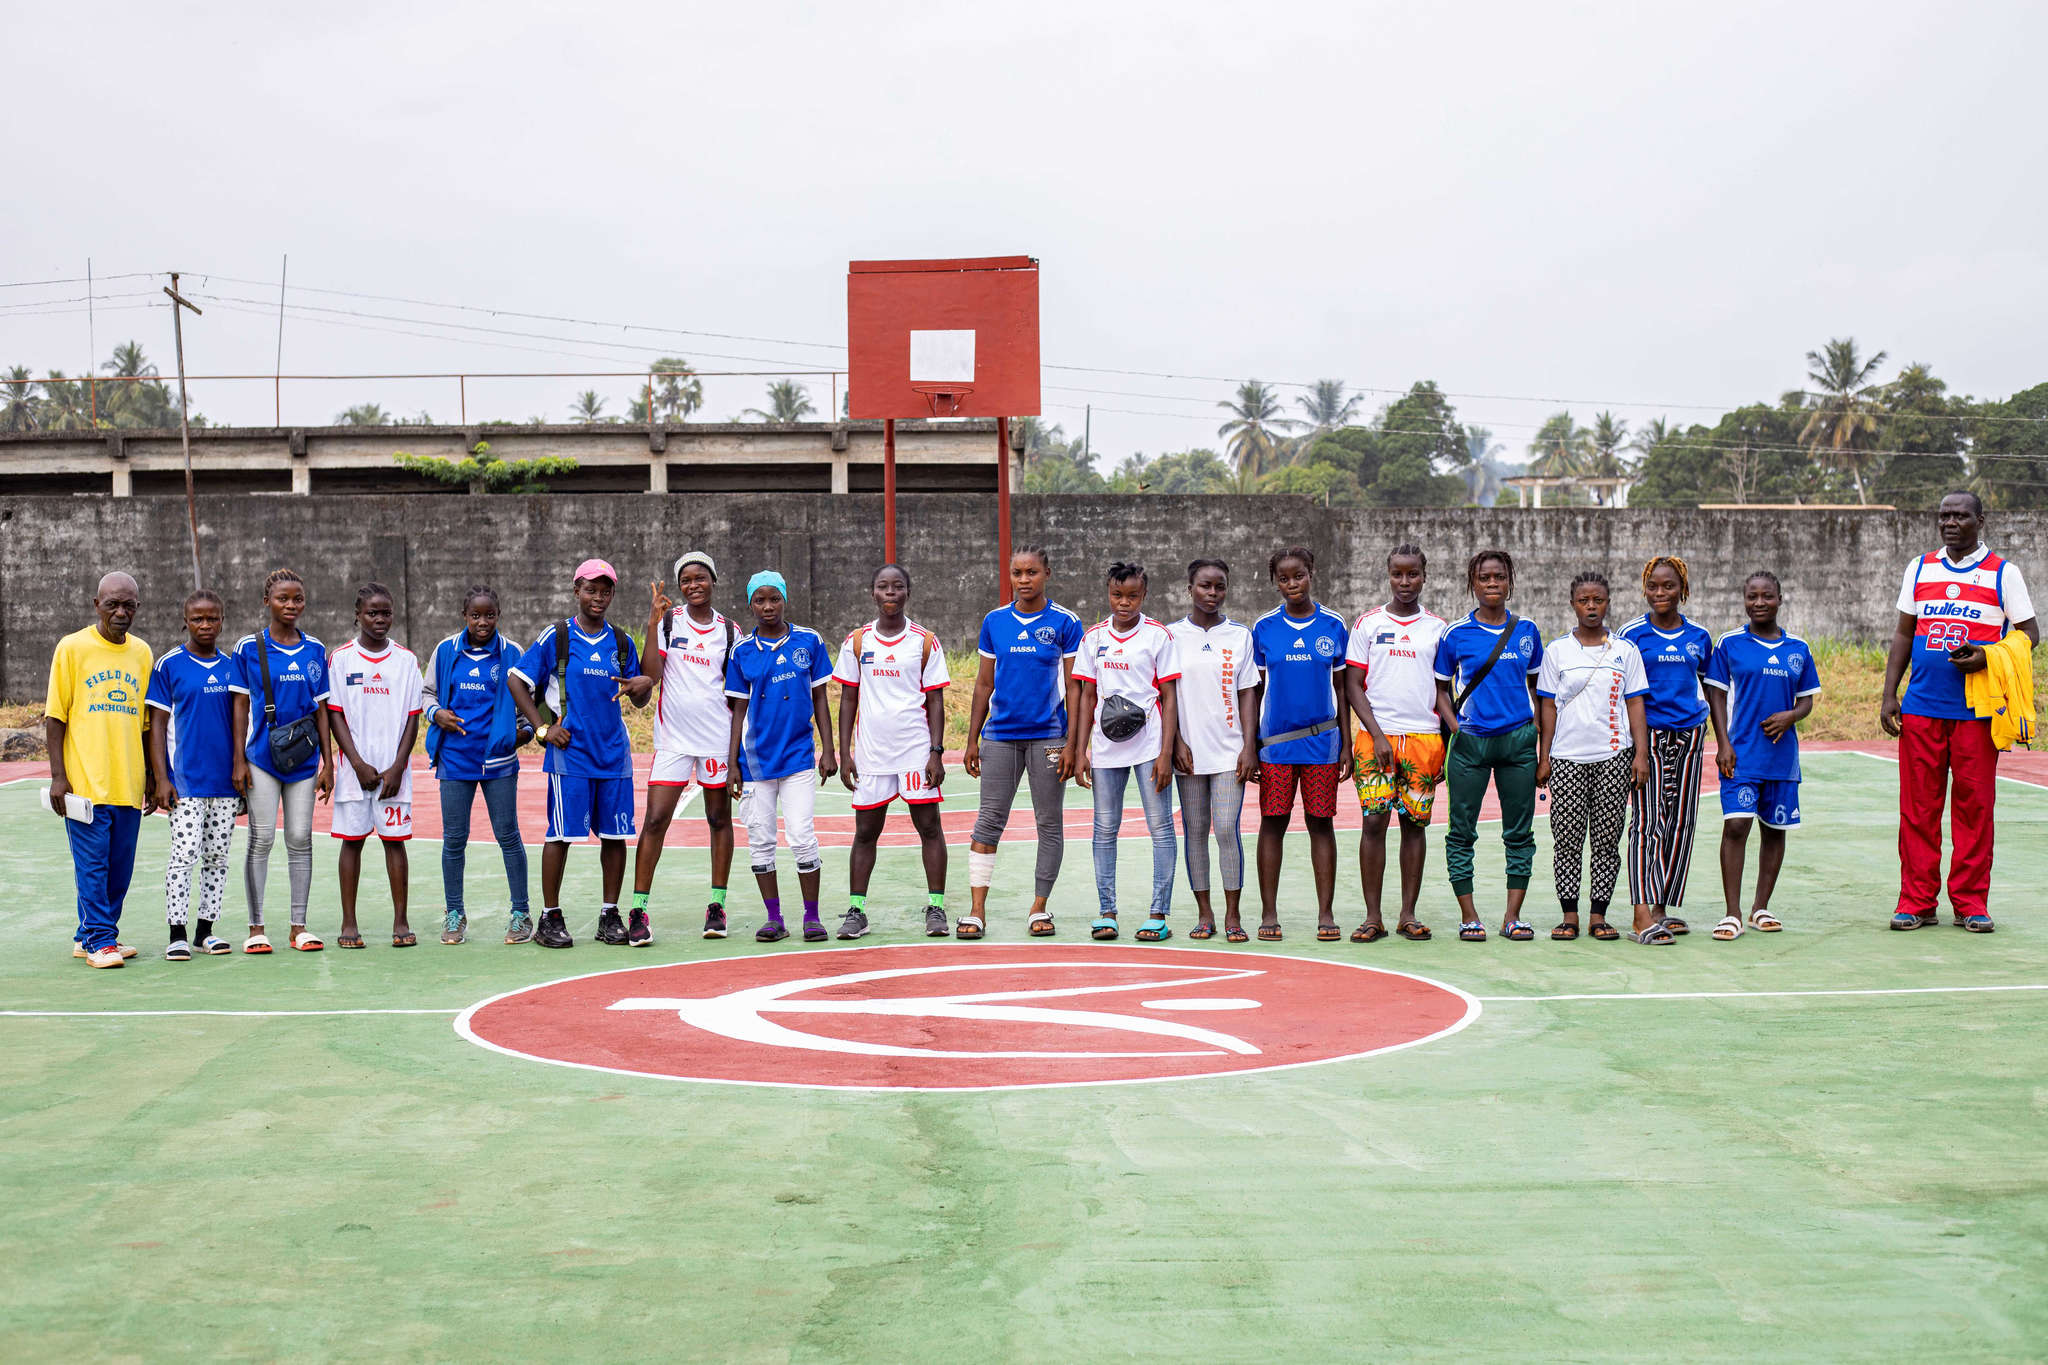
(953, 338)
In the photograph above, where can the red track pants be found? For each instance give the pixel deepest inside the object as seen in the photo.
(1930, 752)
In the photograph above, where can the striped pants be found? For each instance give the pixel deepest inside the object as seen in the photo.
(1665, 811)
(1587, 801)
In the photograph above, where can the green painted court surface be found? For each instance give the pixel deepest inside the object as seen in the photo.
(1786, 1176)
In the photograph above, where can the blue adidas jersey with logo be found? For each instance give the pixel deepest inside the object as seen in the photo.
(298, 684)
(1761, 678)
(1674, 661)
(1500, 704)
(775, 678)
(474, 681)
(1300, 655)
(597, 732)
(194, 694)
(1030, 697)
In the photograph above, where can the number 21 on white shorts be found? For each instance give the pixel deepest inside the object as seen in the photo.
(356, 820)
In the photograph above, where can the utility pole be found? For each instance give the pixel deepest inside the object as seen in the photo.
(1087, 439)
(178, 306)
(277, 375)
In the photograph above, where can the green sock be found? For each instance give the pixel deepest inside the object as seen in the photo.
(640, 900)
(718, 896)
(937, 899)
(859, 903)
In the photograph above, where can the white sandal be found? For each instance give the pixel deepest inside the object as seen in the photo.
(257, 943)
(308, 942)
(1764, 922)
(1039, 917)
(1728, 930)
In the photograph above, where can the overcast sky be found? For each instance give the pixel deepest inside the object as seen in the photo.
(1627, 205)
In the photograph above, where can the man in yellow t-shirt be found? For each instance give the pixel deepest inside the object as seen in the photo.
(93, 724)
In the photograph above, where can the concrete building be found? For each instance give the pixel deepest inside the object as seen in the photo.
(698, 457)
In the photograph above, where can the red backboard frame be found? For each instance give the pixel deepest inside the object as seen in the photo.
(993, 300)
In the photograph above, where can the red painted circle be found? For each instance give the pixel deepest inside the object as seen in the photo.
(947, 1017)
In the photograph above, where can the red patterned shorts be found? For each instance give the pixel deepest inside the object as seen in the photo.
(1318, 783)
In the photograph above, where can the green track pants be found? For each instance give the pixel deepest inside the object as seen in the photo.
(1511, 761)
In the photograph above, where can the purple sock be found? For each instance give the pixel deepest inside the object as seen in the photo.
(774, 904)
(810, 911)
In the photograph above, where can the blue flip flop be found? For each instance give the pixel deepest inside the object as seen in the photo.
(1153, 931)
(1104, 928)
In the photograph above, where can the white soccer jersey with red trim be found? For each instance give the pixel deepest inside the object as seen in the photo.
(691, 715)
(377, 694)
(890, 732)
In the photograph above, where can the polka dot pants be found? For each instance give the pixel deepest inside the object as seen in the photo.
(202, 831)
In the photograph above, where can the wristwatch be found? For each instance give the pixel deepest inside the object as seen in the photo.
(542, 733)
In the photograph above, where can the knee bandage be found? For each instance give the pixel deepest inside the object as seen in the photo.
(981, 868)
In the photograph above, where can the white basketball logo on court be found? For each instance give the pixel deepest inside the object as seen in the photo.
(741, 1015)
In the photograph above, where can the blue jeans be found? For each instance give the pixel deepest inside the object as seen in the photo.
(102, 861)
(501, 800)
(1109, 822)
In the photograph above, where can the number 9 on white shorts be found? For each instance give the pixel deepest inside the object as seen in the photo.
(358, 820)
(874, 790)
(680, 770)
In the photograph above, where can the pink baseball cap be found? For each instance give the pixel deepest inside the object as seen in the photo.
(596, 568)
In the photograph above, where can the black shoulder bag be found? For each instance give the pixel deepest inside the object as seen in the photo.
(1479, 674)
(290, 745)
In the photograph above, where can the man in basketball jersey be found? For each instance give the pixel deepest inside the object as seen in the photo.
(1954, 601)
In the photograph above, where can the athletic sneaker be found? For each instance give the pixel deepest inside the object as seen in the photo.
(454, 927)
(519, 927)
(552, 933)
(109, 956)
(814, 931)
(935, 925)
(855, 925)
(771, 932)
(714, 921)
(611, 928)
(78, 949)
(641, 933)
(179, 950)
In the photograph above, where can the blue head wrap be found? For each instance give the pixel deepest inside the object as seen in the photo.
(767, 578)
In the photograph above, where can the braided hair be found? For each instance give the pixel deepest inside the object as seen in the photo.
(1300, 552)
(278, 576)
(1677, 566)
(372, 589)
(1507, 562)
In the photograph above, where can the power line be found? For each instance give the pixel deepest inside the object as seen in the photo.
(80, 279)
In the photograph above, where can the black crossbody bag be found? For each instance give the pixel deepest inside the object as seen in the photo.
(1479, 674)
(290, 745)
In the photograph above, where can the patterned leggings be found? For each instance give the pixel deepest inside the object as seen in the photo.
(202, 831)
(1588, 798)
(1666, 811)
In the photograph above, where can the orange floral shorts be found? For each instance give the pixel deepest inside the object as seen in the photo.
(1418, 770)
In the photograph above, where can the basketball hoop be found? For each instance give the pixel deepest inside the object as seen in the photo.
(943, 399)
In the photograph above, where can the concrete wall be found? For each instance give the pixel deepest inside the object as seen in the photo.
(1840, 569)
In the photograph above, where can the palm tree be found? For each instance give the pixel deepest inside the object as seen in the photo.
(18, 402)
(1041, 438)
(1328, 406)
(363, 415)
(1653, 435)
(1844, 423)
(1253, 431)
(588, 408)
(66, 405)
(135, 404)
(1481, 481)
(788, 401)
(678, 392)
(1562, 447)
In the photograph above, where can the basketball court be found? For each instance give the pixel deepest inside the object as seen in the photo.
(1812, 1144)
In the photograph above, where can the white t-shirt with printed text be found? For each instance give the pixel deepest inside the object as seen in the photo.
(1215, 665)
(376, 694)
(1130, 666)
(890, 732)
(691, 714)
(1397, 656)
(1591, 685)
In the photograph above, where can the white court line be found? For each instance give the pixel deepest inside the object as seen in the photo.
(224, 1014)
(1758, 995)
(1894, 758)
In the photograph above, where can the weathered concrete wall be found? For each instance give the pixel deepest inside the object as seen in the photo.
(1840, 569)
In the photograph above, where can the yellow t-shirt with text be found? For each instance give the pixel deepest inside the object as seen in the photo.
(96, 689)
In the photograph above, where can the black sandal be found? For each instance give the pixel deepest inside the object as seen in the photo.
(1414, 930)
(1372, 931)
(1566, 931)
(1604, 931)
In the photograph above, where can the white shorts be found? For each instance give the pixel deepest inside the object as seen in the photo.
(871, 790)
(358, 820)
(672, 769)
(797, 796)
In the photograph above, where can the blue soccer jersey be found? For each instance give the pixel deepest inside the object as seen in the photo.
(1300, 655)
(469, 682)
(298, 684)
(775, 678)
(193, 695)
(597, 732)
(1030, 697)
(1674, 661)
(1762, 677)
(1500, 704)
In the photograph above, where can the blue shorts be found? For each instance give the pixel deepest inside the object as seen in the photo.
(579, 805)
(1775, 802)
